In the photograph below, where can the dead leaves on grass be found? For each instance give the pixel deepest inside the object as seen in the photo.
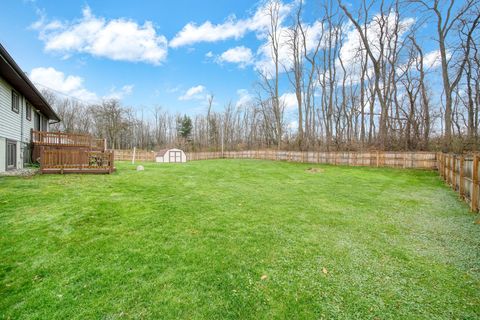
(314, 170)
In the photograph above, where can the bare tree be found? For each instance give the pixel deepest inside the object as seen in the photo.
(445, 21)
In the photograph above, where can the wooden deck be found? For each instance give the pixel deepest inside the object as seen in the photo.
(77, 170)
(59, 160)
(62, 139)
(60, 152)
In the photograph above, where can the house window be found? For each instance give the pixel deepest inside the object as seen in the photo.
(44, 124)
(28, 114)
(15, 102)
(36, 121)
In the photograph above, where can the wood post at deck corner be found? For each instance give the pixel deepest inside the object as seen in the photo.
(474, 195)
(110, 165)
(42, 155)
(62, 161)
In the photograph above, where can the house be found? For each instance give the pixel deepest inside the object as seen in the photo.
(22, 109)
(171, 155)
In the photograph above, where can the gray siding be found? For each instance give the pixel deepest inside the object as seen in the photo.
(10, 122)
(27, 124)
(14, 126)
(3, 152)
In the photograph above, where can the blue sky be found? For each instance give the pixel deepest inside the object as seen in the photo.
(147, 53)
(152, 83)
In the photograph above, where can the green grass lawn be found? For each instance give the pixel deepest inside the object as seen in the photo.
(237, 239)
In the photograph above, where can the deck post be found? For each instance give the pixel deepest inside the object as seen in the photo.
(42, 155)
(61, 161)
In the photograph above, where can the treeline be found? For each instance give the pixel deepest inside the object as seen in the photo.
(363, 77)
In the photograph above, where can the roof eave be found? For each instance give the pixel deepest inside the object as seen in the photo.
(19, 80)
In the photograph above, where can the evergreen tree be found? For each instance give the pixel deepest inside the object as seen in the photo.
(185, 127)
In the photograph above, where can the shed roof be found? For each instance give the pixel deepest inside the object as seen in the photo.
(13, 74)
(162, 152)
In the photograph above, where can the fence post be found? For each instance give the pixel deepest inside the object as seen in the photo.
(439, 164)
(460, 182)
(444, 165)
(454, 176)
(447, 168)
(378, 157)
(451, 171)
(474, 202)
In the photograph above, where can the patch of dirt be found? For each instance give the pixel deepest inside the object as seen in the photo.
(315, 170)
(26, 172)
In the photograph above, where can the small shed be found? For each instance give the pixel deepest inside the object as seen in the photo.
(171, 156)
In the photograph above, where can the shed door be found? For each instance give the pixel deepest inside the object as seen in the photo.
(175, 156)
(11, 155)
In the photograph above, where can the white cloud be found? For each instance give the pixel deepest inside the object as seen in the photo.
(50, 78)
(353, 45)
(293, 126)
(265, 62)
(244, 98)
(240, 55)
(209, 54)
(73, 86)
(208, 32)
(197, 93)
(433, 60)
(232, 28)
(289, 100)
(175, 89)
(116, 39)
(313, 33)
(124, 91)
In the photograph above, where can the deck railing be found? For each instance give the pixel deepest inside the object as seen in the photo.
(70, 160)
(62, 139)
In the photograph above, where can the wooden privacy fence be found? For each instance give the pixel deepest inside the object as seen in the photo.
(419, 160)
(140, 155)
(461, 173)
(68, 160)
